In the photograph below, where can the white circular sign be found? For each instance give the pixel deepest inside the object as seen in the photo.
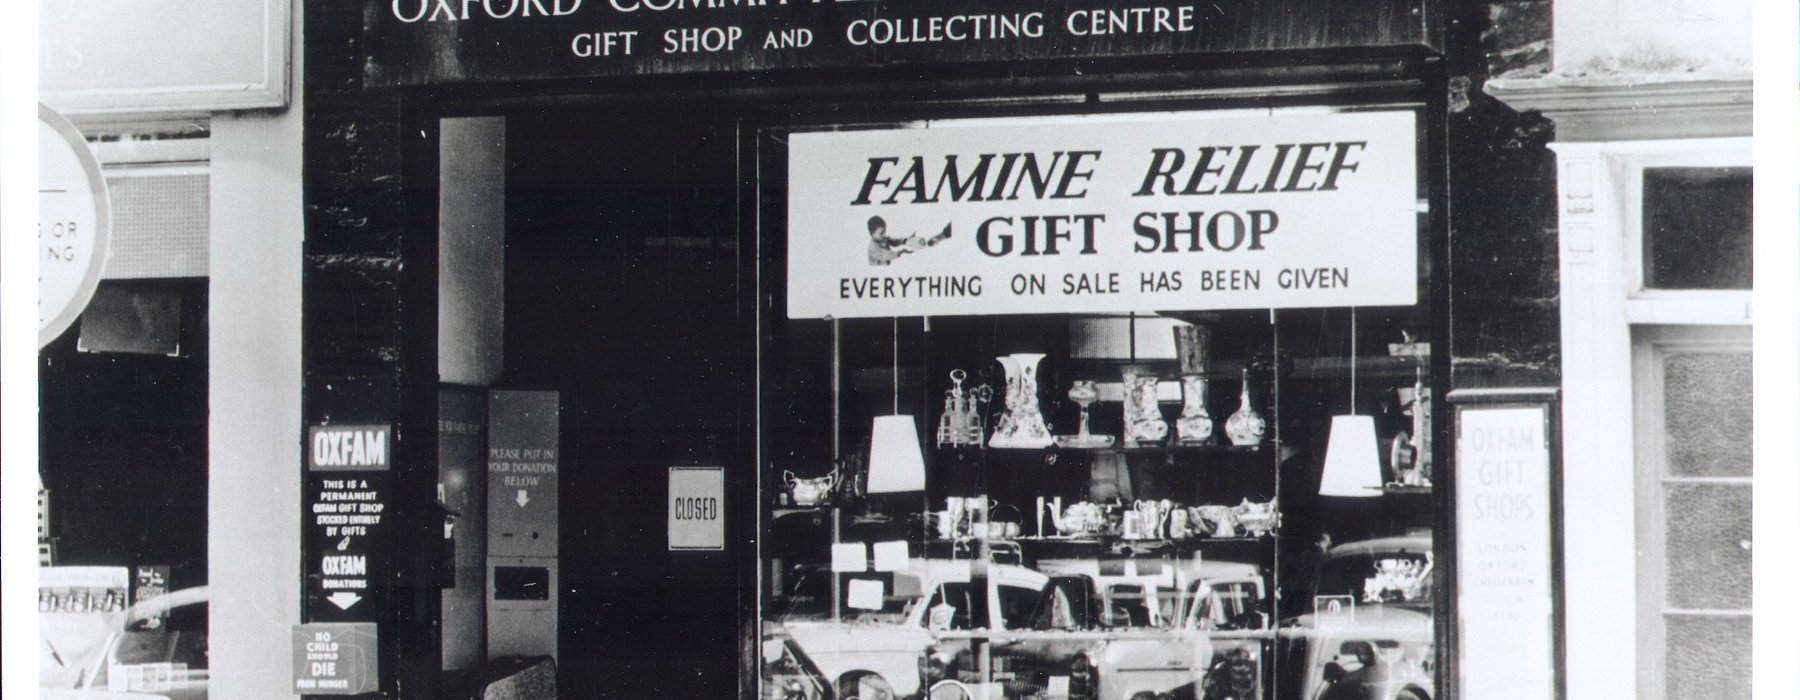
(74, 219)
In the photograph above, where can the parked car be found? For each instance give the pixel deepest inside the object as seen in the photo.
(161, 654)
(873, 653)
(1370, 635)
(1175, 632)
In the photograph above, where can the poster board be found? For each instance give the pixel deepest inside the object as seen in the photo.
(146, 56)
(1508, 558)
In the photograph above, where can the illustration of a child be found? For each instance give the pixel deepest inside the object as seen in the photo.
(883, 250)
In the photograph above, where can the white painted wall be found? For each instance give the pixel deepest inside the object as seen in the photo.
(1599, 570)
(254, 491)
(1676, 38)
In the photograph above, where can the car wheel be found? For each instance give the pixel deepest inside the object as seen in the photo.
(949, 690)
(1409, 694)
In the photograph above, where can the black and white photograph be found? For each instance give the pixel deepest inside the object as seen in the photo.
(901, 349)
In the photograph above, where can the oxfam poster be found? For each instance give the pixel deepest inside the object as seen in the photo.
(1506, 587)
(1115, 213)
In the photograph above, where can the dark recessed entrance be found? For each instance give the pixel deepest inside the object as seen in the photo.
(622, 295)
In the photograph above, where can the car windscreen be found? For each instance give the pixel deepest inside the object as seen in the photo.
(1065, 605)
(809, 599)
(185, 647)
(967, 603)
(1231, 605)
(1138, 605)
(174, 642)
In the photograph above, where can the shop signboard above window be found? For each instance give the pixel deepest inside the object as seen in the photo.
(428, 42)
(148, 56)
(1099, 214)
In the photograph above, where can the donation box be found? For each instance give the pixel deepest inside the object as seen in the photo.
(522, 460)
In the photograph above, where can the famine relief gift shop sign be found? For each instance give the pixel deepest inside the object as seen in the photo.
(1105, 214)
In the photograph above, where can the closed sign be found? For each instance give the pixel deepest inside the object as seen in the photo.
(696, 508)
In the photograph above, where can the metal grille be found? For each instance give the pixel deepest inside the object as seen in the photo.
(160, 219)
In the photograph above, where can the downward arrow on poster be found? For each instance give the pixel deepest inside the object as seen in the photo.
(523, 498)
(343, 599)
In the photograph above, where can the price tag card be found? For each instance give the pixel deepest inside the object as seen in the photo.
(851, 557)
(890, 556)
(866, 594)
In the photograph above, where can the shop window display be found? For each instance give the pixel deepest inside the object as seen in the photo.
(1219, 549)
(1049, 501)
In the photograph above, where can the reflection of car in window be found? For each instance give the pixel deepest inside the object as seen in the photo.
(786, 672)
(1369, 636)
(1182, 630)
(1228, 605)
(1396, 577)
(874, 653)
(160, 654)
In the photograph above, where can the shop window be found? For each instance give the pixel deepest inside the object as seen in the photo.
(1697, 232)
(1694, 523)
(1121, 431)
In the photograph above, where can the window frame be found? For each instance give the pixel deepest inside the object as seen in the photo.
(1648, 305)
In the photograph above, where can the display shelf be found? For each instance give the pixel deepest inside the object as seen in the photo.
(1335, 368)
(1171, 447)
(1292, 367)
(1056, 547)
(777, 510)
(1051, 547)
(1103, 634)
(1393, 490)
(1151, 542)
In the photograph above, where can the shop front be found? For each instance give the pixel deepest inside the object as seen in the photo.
(934, 350)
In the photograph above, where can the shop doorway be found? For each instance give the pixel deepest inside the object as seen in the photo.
(622, 295)
(1693, 394)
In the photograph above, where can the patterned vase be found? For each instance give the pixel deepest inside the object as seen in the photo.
(1194, 425)
(1023, 424)
(1246, 426)
(1144, 424)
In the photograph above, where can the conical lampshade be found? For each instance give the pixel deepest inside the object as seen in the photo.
(1352, 461)
(895, 463)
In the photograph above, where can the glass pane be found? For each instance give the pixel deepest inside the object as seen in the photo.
(1697, 228)
(1708, 657)
(1708, 546)
(1707, 413)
